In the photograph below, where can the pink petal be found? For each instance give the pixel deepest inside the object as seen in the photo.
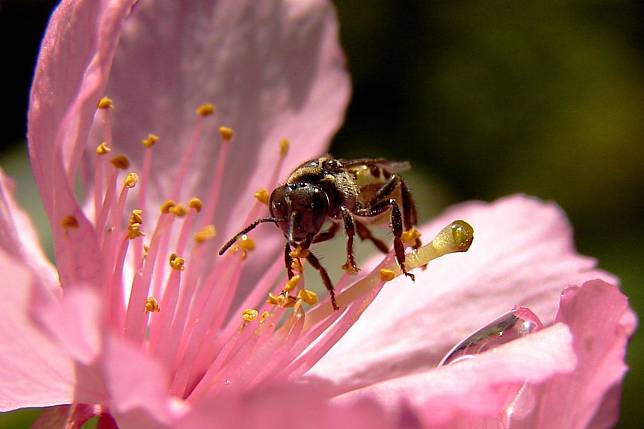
(601, 321)
(71, 74)
(19, 239)
(34, 372)
(277, 407)
(480, 387)
(74, 323)
(522, 254)
(273, 70)
(137, 384)
(70, 77)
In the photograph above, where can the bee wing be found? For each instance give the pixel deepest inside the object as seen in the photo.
(391, 166)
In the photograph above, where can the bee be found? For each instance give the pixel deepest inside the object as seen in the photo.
(349, 193)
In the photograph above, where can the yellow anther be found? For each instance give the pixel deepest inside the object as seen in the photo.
(102, 149)
(289, 301)
(308, 296)
(276, 299)
(246, 243)
(265, 315)
(292, 282)
(296, 265)
(387, 275)
(226, 133)
(206, 233)
(284, 144)
(179, 210)
(298, 252)
(167, 205)
(120, 161)
(195, 204)
(150, 140)
(249, 314)
(105, 103)
(151, 305)
(410, 236)
(134, 230)
(146, 249)
(130, 180)
(205, 109)
(176, 262)
(262, 195)
(136, 216)
(68, 222)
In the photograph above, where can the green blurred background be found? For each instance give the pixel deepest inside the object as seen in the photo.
(485, 97)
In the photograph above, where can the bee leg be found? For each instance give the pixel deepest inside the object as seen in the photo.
(410, 216)
(386, 189)
(328, 234)
(365, 234)
(315, 263)
(288, 261)
(350, 265)
(396, 227)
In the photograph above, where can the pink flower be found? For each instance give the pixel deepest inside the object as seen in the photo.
(172, 336)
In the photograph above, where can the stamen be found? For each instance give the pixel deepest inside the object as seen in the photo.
(215, 185)
(387, 275)
(167, 206)
(130, 180)
(249, 315)
(195, 203)
(299, 253)
(290, 301)
(151, 305)
(284, 145)
(134, 231)
(226, 133)
(148, 143)
(136, 216)
(308, 296)
(245, 244)
(262, 195)
(410, 236)
(135, 322)
(292, 282)
(68, 222)
(205, 109)
(206, 233)
(296, 266)
(176, 262)
(120, 161)
(150, 140)
(179, 210)
(105, 103)
(186, 228)
(103, 149)
(191, 148)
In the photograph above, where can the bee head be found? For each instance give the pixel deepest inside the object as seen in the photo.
(304, 208)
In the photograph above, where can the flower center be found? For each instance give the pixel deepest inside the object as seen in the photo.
(178, 310)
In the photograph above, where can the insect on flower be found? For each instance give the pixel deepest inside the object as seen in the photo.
(351, 192)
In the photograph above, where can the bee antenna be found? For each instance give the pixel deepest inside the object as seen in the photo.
(245, 231)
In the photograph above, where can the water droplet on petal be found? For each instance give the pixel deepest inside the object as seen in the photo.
(512, 325)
